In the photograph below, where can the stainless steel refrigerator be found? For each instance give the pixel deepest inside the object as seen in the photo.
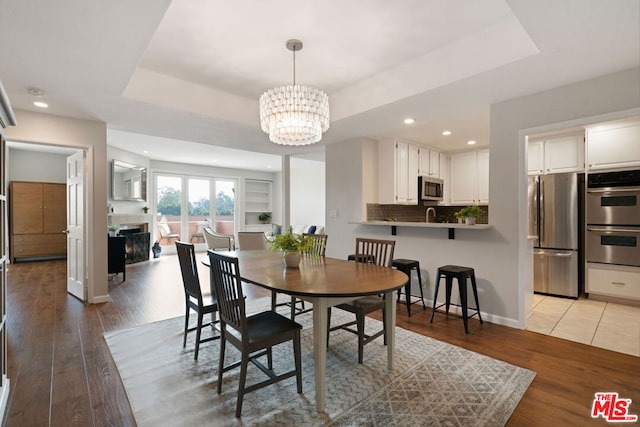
(554, 219)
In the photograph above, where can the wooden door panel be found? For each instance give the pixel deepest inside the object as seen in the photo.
(55, 208)
(26, 207)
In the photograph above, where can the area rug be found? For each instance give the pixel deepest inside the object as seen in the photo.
(432, 383)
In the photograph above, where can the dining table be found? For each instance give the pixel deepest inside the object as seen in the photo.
(324, 282)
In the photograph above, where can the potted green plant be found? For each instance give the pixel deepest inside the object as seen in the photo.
(264, 217)
(145, 209)
(112, 229)
(292, 246)
(469, 214)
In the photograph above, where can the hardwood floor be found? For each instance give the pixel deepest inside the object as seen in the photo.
(61, 371)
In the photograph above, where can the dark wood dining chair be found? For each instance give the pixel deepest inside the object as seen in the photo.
(297, 305)
(371, 251)
(253, 335)
(194, 300)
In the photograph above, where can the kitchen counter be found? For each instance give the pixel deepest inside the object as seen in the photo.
(450, 226)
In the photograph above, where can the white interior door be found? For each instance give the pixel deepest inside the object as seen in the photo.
(75, 226)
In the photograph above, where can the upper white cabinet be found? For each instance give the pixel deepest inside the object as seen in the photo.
(613, 147)
(429, 162)
(413, 162)
(556, 154)
(398, 169)
(470, 177)
(535, 157)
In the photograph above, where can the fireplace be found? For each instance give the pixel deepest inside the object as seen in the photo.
(135, 228)
(137, 244)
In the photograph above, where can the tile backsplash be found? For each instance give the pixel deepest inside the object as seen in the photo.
(415, 213)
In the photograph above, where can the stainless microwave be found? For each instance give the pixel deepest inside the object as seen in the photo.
(430, 188)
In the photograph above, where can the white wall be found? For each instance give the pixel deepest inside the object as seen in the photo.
(92, 136)
(307, 192)
(499, 255)
(35, 166)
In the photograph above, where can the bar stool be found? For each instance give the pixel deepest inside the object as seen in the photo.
(366, 258)
(450, 272)
(406, 266)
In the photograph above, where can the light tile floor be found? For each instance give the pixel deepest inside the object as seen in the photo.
(601, 324)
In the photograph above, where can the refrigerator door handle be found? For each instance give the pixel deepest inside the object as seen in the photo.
(541, 232)
(565, 254)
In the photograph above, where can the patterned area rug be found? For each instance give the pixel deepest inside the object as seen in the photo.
(433, 383)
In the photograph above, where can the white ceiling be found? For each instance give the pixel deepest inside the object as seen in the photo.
(181, 78)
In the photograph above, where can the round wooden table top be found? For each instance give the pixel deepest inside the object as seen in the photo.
(321, 277)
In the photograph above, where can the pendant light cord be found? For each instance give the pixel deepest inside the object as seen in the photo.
(294, 66)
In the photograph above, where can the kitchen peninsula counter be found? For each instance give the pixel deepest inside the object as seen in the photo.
(450, 226)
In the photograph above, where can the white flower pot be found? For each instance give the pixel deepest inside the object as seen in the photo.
(292, 259)
(470, 220)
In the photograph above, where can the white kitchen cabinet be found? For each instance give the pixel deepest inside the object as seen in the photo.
(482, 177)
(613, 147)
(398, 168)
(469, 177)
(444, 175)
(617, 281)
(402, 172)
(564, 154)
(429, 162)
(413, 163)
(556, 154)
(535, 157)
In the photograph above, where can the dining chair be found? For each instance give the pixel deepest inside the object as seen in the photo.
(216, 240)
(194, 300)
(255, 335)
(252, 240)
(297, 305)
(371, 251)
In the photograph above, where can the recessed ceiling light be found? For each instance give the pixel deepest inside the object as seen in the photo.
(446, 132)
(34, 91)
(471, 142)
(40, 104)
(409, 121)
(146, 152)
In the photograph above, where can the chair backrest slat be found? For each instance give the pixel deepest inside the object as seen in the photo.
(189, 270)
(319, 244)
(375, 251)
(226, 282)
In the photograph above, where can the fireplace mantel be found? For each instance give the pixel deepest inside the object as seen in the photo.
(142, 221)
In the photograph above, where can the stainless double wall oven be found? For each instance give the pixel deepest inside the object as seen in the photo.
(613, 218)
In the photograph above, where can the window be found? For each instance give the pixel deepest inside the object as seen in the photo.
(184, 205)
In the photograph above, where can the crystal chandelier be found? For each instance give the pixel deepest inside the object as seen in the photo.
(294, 114)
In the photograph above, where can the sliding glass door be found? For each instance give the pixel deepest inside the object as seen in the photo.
(225, 211)
(185, 204)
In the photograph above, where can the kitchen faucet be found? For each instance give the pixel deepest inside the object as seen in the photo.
(434, 213)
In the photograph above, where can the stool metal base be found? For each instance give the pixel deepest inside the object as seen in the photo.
(406, 266)
(450, 272)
